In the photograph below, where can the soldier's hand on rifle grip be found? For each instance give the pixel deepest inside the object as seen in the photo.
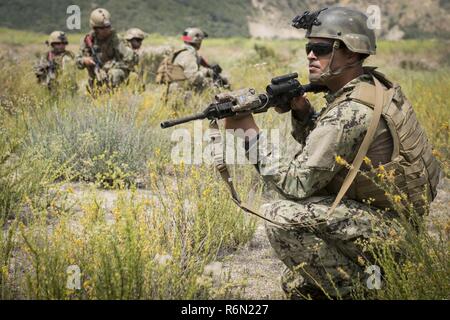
(244, 122)
(301, 107)
(88, 61)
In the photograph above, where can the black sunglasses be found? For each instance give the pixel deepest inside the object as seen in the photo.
(319, 49)
(102, 28)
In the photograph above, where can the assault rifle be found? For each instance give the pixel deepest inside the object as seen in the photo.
(51, 70)
(279, 92)
(219, 80)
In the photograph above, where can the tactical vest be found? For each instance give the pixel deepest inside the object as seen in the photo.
(169, 72)
(415, 168)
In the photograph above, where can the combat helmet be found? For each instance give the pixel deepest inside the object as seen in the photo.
(135, 33)
(100, 18)
(57, 36)
(342, 24)
(194, 35)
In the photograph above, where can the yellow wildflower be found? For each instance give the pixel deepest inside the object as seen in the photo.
(436, 153)
(361, 261)
(343, 273)
(340, 160)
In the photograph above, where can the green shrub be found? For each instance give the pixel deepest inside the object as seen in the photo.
(103, 143)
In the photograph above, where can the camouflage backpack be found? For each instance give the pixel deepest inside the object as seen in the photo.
(169, 72)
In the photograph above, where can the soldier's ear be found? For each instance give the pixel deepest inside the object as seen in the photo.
(351, 56)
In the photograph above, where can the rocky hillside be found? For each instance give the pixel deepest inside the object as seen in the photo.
(257, 18)
(399, 19)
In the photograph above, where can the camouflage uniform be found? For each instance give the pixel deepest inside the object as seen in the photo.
(54, 61)
(331, 250)
(184, 71)
(325, 254)
(324, 261)
(50, 65)
(137, 71)
(116, 59)
(135, 61)
(197, 76)
(135, 33)
(329, 256)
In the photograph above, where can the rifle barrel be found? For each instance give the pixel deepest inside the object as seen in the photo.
(171, 123)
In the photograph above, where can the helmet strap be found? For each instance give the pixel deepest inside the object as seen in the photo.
(329, 74)
(196, 46)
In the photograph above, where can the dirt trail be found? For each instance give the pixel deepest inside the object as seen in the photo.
(258, 266)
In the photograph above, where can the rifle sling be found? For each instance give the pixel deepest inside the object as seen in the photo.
(217, 153)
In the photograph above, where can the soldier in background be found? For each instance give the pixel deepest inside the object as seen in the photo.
(134, 38)
(54, 61)
(186, 71)
(107, 59)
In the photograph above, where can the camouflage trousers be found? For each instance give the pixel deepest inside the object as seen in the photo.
(323, 261)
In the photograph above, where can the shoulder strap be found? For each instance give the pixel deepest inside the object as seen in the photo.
(176, 53)
(378, 108)
(364, 93)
